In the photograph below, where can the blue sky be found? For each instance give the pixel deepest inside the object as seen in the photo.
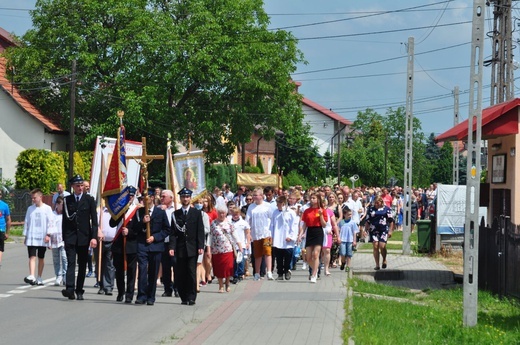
(349, 37)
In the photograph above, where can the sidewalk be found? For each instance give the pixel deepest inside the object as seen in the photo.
(296, 311)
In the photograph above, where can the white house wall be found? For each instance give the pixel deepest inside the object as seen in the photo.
(322, 128)
(20, 131)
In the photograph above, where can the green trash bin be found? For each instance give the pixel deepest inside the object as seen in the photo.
(423, 236)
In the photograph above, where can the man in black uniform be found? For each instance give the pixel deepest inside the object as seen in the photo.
(149, 249)
(121, 252)
(186, 244)
(79, 227)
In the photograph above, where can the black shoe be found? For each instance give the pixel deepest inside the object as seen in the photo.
(68, 293)
(96, 285)
(234, 281)
(101, 291)
(176, 294)
(128, 300)
(190, 302)
(79, 296)
(342, 267)
(109, 293)
(384, 265)
(120, 298)
(184, 302)
(167, 294)
(140, 301)
(150, 303)
(280, 277)
(288, 275)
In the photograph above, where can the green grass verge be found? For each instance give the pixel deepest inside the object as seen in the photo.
(437, 321)
(16, 231)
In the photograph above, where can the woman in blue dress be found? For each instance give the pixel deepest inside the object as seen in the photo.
(380, 223)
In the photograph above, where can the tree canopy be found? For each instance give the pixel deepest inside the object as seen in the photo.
(201, 69)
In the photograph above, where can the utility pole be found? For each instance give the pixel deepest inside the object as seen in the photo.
(471, 227)
(72, 115)
(408, 157)
(456, 142)
(502, 78)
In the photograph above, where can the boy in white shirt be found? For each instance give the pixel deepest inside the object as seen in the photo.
(39, 220)
(347, 235)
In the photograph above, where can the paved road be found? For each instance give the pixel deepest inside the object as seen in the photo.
(288, 312)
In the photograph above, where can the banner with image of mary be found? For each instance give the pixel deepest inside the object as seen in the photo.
(189, 169)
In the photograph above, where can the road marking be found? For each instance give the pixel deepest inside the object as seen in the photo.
(16, 291)
(3, 295)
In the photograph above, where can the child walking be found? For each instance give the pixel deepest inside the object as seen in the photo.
(347, 235)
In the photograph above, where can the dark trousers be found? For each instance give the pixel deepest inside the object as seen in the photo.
(168, 262)
(131, 269)
(108, 271)
(82, 253)
(283, 258)
(185, 277)
(148, 265)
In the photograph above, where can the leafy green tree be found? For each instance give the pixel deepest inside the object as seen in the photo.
(443, 170)
(204, 70)
(297, 152)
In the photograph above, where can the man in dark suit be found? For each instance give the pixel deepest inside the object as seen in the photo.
(149, 249)
(186, 244)
(80, 229)
(125, 247)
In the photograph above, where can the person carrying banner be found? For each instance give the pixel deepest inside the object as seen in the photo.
(124, 247)
(186, 244)
(149, 249)
(79, 228)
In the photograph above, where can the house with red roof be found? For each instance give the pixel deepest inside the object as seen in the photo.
(22, 126)
(325, 125)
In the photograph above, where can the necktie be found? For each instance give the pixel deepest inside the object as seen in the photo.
(77, 198)
(185, 213)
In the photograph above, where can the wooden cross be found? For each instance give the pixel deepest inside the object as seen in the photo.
(146, 159)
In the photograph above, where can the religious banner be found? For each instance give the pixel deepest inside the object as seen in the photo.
(259, 180)
(189, 169)
(115, 190)
(103, 155)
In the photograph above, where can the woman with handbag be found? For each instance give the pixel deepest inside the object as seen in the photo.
(222, 244)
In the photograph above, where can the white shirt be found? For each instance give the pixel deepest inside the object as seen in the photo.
(169, 212)
(259, 218)
(38, 222)
(108, 231)
(240, 227)
(284, 224)
(355, 206)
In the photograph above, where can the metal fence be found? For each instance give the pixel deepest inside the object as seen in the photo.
(499, 258)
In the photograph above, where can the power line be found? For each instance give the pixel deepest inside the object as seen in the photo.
(359, 17)
(379, 61)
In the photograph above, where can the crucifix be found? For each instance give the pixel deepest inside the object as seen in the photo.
(146, 159)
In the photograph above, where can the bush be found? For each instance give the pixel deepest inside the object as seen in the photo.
(218, 174)
(79, 165)
(293, 179)
(39, 169)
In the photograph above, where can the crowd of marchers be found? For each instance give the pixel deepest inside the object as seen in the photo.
(222, 235)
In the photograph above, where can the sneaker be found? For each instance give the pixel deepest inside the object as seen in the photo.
(280, 277)
(288, 275)
(30, 280)
(256, 277)
(269, 276)
(304, 266)
(58, 281)
(89, 274)
(313, 279)
(39, 281)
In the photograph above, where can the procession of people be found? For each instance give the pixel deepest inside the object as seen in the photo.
(224, 236)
